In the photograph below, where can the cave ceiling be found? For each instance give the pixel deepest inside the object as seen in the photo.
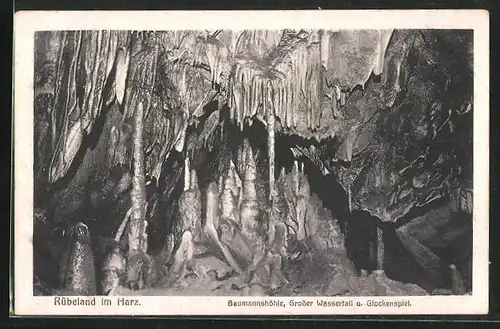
(396, 103)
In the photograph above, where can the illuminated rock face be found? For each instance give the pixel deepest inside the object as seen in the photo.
(304, 77)
(280, 70)
(386, 113)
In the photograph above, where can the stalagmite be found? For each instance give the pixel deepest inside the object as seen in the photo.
(230, 196)
(165, 256)
(270, 147)
(123, 151)
(278, 246)
(228, 205)
(342, 98)
(295, 177)
(112, 270)
(282, 173)
(183, 256)
(212, 209)
(380, 249)
(337, 93)
(179, 145)
(249, 208)
(195, 190)
(190, 222)
(190, 206)
(212, 225)
(78, 267)
(243, 152)
(230, 180)
(137, 236)
(231, 237)
(313, 220)
(220, 185)
(237, 183)
(240, 157)
(250, 215)
(301, 208)
(114, 137)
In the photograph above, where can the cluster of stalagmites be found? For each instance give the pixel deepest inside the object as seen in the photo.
(253, 241)
(233, 237)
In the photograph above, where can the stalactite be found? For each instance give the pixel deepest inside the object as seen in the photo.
(187, 173)
(270, 147)
(384, 38)
(265, 96)
(257, 95)
(179, 145)
(122, 63)
(165, 150)
(235, 178)
(324, 48)
(113, 44)
(216, 54)
(349, 198)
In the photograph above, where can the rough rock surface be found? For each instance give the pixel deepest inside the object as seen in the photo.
(387, 113)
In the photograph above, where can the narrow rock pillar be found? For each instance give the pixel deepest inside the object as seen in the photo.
(380, 249)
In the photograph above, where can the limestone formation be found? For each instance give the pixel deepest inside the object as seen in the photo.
(80, 271)
(212, 206)
(301, 209)
(183, 257)
(249, 215)
(378, 118)
(210, 231)
(190, 207)
(112, 271)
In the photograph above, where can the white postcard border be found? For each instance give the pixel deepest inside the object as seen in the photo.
(27, 22)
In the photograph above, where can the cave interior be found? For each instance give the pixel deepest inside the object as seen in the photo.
(359, 144)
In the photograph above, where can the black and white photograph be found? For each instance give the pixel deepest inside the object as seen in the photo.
(256, 163)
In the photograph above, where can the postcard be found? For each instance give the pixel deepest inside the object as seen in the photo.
(221, 163)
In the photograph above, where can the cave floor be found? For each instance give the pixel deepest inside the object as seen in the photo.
(214, 278)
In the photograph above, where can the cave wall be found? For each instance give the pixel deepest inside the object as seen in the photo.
(416, 146)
